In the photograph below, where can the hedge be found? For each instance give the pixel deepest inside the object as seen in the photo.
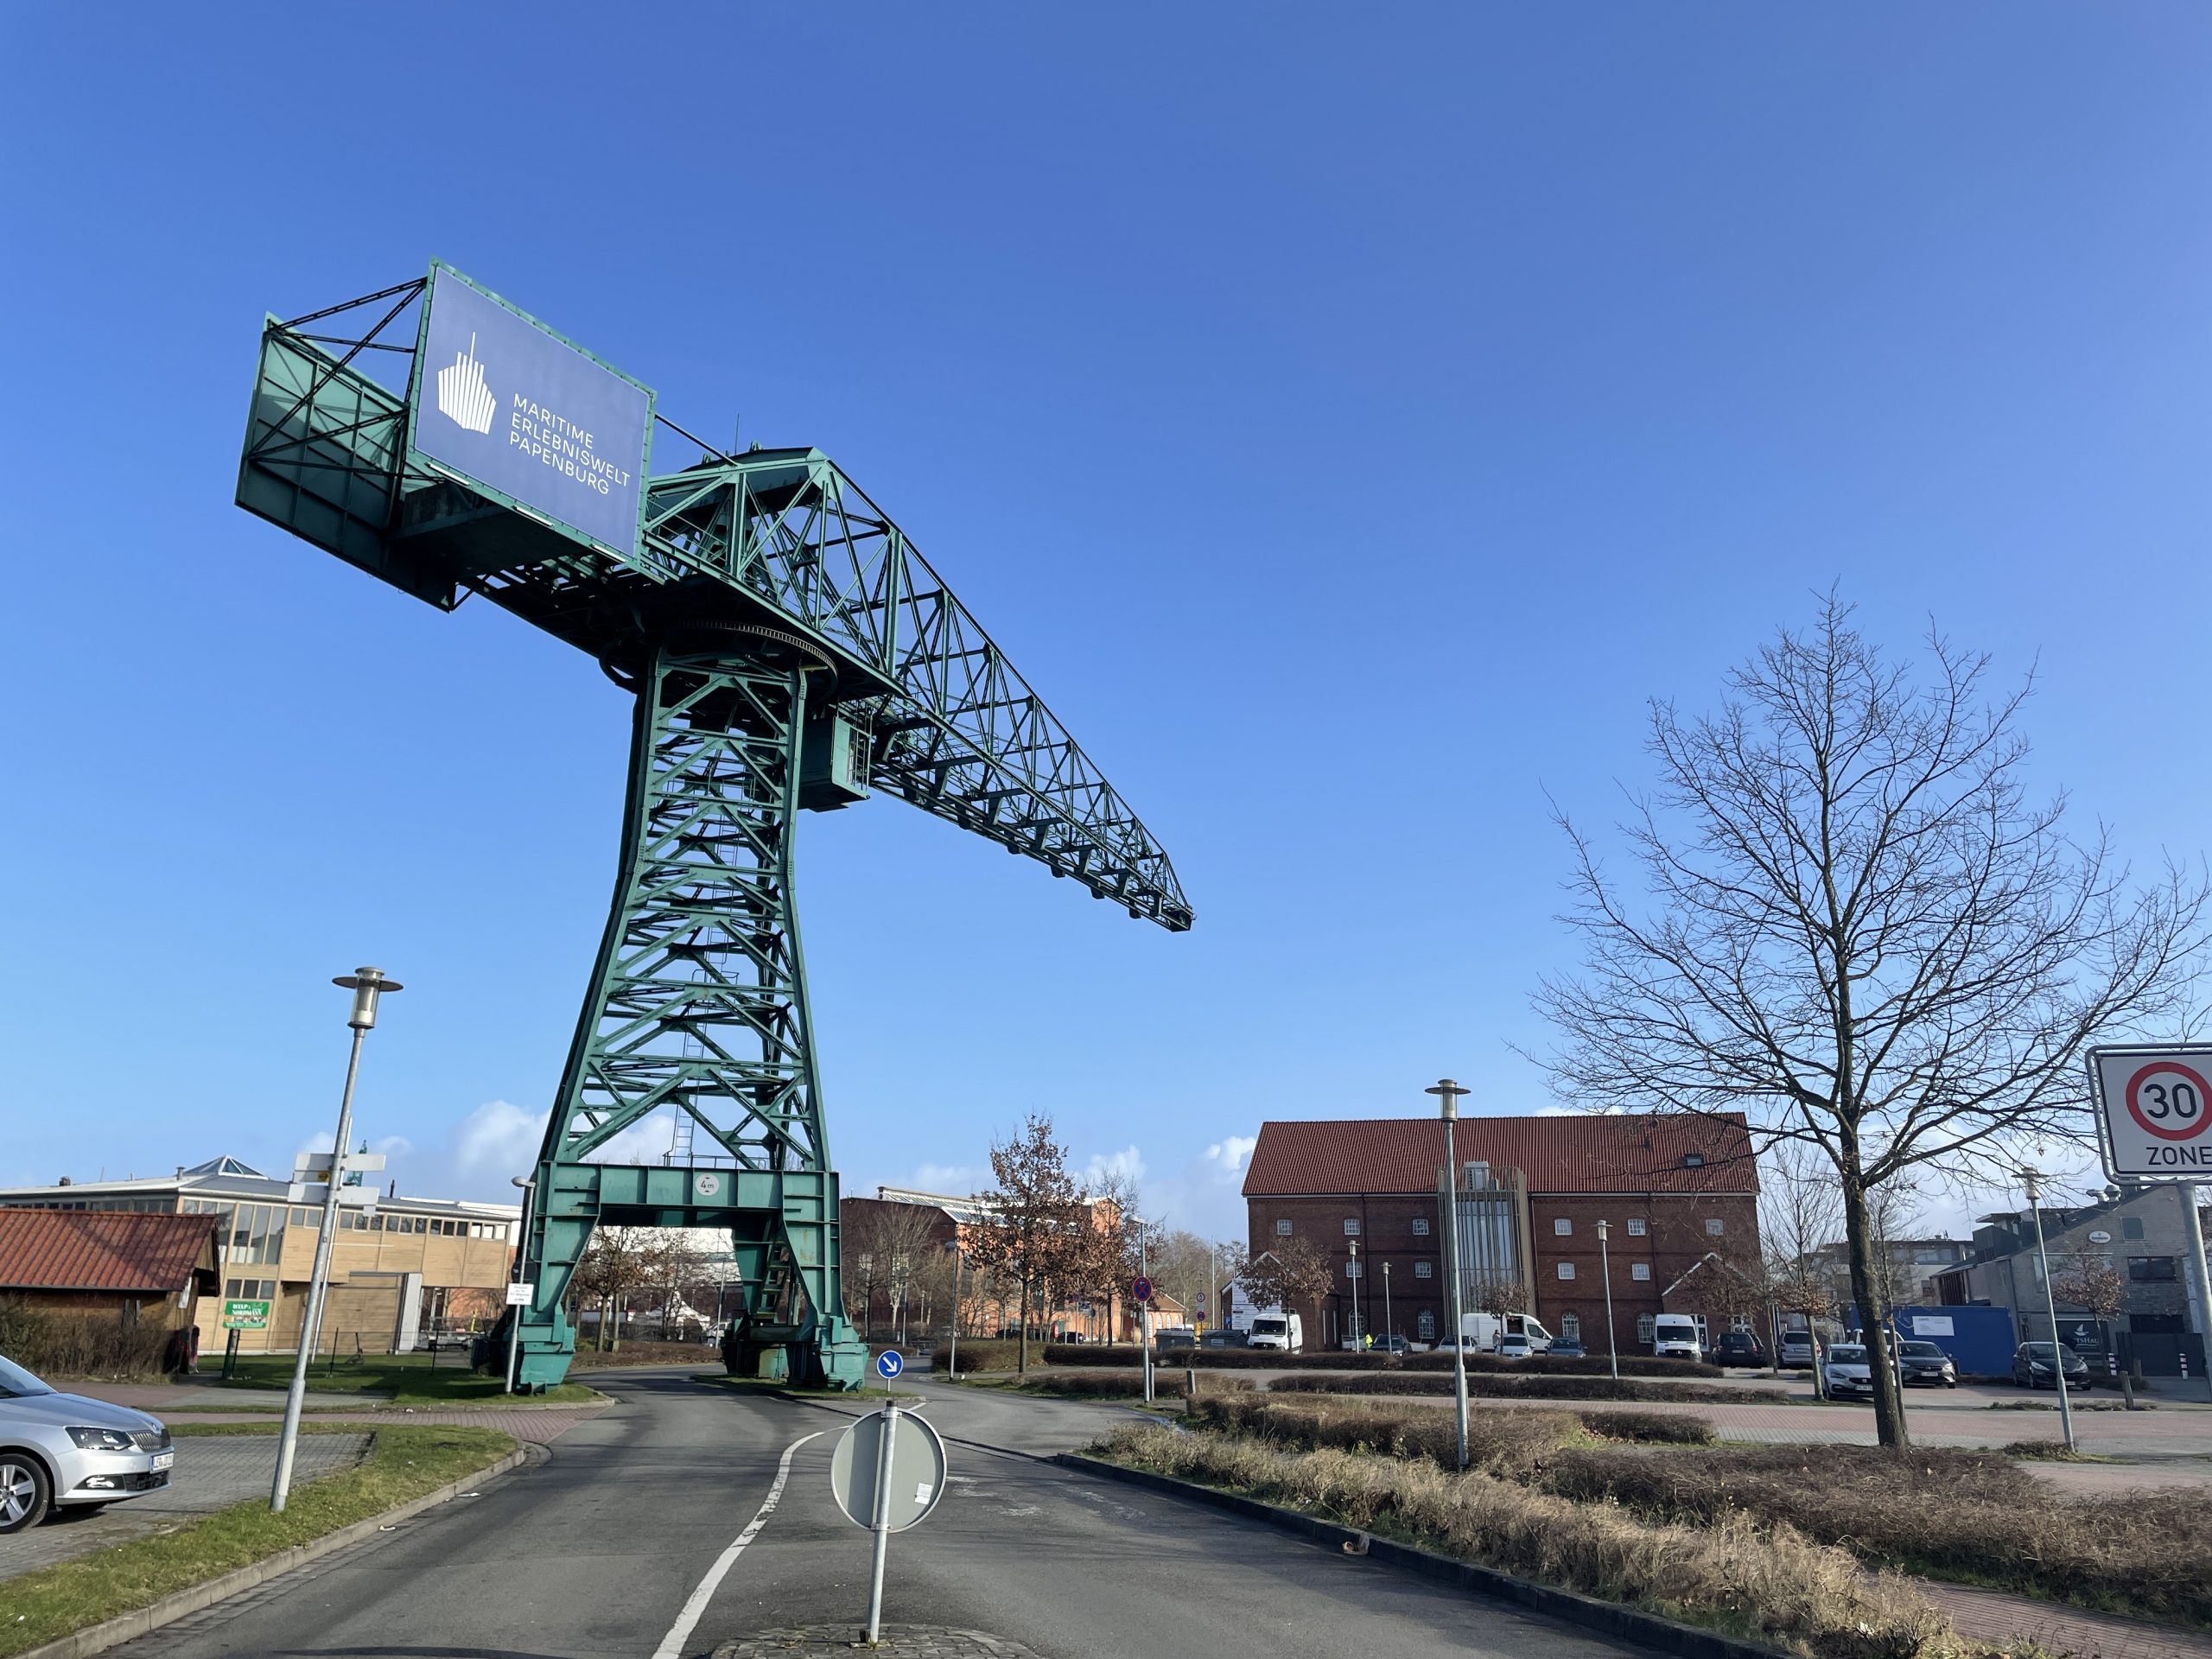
(1538, 1388)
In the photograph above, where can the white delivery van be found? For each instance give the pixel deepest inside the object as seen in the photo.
(1678, 1336)
(1481, 1330)
(1283, 1332)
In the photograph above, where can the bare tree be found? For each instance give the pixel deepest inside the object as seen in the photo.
(1036, 1229)
(1500, 1294)
(1289, 1271)
(2095, 1287)
(615, 1263)
(1861, 933)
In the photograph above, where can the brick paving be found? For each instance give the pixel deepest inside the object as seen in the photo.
(211, 1474)
(2003, 1620)
(898, 1642)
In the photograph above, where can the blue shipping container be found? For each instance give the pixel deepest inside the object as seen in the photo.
(1980, 1340)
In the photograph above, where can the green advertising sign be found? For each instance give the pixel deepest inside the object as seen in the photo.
(245, 1316)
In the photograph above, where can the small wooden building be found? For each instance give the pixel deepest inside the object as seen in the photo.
(135, 1269)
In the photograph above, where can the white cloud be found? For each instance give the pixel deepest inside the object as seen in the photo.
(1225, 1158)
(1127, 1165)
(498, 1138)
(956, 1180)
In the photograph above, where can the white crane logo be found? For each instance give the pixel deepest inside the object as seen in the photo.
(462, 395)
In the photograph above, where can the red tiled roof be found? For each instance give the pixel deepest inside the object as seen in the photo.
(1585, 1153)
(101, 1249)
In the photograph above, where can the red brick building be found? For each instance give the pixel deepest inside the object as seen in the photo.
(1674, 1189)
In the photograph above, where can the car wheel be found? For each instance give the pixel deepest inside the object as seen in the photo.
(24, 1491)
(1950, 1382)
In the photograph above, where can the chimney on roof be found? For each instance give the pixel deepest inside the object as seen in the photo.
(180, 1170)
(64, 1181)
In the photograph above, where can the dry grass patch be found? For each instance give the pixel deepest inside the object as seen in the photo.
(1974, 1516)
(1515, 1442)
(1767, 1584)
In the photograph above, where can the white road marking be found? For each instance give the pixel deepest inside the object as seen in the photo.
(671, 1645)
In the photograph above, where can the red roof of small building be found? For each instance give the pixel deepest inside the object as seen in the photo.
(1582, 1153)
(102, 1250)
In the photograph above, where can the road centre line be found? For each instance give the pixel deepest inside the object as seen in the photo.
(671, 1645)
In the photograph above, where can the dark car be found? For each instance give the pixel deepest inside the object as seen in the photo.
(1738, 1348)
(1926, 1363)
(1222, 1336)
(2032, 1366)
(1563, 1348)
(1390, 1345)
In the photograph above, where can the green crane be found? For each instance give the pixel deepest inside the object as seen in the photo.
(786, 648)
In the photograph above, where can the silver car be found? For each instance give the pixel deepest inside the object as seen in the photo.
(63, 1448)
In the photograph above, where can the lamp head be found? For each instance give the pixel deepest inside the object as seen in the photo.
(1448, 1093)
(366, 984)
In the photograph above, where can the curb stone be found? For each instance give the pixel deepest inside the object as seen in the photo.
(1665, 1635)
(129, 1627)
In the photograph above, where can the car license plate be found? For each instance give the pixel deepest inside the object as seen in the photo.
(163, 1460)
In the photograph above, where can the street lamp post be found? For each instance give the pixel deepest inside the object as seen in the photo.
(2031, 1183)
(1144, 1307)
(952, 1360)
(1605, 1272)
(366, 984)
(1448, 1093)
(1389, 1325)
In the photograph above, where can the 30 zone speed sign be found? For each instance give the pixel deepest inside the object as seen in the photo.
(2155, 1111)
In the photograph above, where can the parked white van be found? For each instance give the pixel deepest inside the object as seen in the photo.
(1283, 1332)
(1482, 1331)
(1678, 1336)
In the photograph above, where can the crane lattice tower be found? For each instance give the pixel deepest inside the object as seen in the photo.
(786, 648)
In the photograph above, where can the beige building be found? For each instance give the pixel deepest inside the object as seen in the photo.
(402, 1269)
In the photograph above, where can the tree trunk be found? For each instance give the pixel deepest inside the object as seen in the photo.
(1873, 1313)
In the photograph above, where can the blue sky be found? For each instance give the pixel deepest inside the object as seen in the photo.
(1345, 425)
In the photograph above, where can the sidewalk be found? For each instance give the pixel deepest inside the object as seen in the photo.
(1994, 1617)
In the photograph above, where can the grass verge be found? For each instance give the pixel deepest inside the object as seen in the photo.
(406, 1379)
(403, 1463)
(1514, 1443)
(1766, 1585)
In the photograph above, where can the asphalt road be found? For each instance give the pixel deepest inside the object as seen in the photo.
(598, 1549)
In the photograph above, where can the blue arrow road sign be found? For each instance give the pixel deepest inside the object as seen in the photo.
(889, 1363)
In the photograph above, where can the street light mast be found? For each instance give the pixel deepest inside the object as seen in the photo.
(1448, 1094)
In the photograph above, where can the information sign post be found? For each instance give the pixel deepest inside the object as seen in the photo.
(2154, 1123)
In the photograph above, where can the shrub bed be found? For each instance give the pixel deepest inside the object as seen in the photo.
(1970, 1516)
(1498, 1440)
(57, 1343)
(1127, 1384)
(640, 1351)
(1540, 1387)
(1769, 1585)
(1588, 1365)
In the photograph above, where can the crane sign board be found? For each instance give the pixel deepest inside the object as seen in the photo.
(518, 413)
(2154, 1111)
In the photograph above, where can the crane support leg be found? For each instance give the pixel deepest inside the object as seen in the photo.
(697, 1005)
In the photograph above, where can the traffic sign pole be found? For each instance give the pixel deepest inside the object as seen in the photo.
(881, 1547)
(2195, 1233)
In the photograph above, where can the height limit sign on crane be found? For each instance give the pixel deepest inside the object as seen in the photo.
(2154, 1111)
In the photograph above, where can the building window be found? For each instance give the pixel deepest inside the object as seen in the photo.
(1570, 1327)
(1645, 1324)
(2150, 1269)
(1740, 1322)
(1692, 1161)
(2131, 1227)
(1420, 1226)
(251, 1290)
(1713, 1226)
(1352, 1226)
(1282, 1228)
(1636, 1226)
(1639, 1270)
(1567, 1269)
(1561, 1226)
(1425, 1324)
(1424, 1270)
